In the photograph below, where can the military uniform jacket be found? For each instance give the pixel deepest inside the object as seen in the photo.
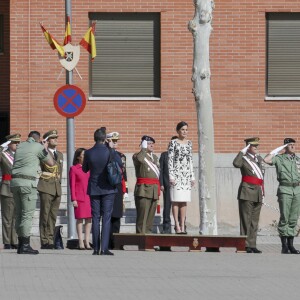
(248, 191)
(6, 163)
(143, 170)
(288, 172)
(50, 180)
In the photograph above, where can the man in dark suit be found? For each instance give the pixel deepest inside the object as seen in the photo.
(251, 191)
(165, 188)
(101, 192)
(49, 187)
(9, 235)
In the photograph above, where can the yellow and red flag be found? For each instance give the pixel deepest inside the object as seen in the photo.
(88, 42)
(54, 44)
(68, 35)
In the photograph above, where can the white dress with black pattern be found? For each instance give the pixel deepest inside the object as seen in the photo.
(180, 165)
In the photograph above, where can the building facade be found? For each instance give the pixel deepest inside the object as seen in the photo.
(140, 81)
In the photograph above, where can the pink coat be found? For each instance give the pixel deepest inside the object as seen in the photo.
(78, 187)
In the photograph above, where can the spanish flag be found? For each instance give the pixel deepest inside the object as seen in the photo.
(88, 42)
(68, 36)
(53, 42)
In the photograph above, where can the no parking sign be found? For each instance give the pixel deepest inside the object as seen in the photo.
(69, 101)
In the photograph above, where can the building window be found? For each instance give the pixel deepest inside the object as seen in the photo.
(1, 33)
(283, 55)
(128, 56)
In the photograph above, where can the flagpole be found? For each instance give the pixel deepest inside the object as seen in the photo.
(70, 141)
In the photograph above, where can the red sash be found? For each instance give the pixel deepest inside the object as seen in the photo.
(149, 181)
(6, 177)
(254, 180)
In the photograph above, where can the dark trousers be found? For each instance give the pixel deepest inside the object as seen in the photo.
(249, 216)
(167, 211)
(115, 225)
(102, 206)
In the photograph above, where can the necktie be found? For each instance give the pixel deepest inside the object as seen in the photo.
(55, 155)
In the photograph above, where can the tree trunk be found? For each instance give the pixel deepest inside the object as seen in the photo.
(201, 28)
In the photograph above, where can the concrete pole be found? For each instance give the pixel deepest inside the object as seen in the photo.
(70, 142)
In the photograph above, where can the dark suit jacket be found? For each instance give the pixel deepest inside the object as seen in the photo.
(95, 161)
(248, 191)
(164, 170)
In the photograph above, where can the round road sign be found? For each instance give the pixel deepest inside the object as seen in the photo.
(69, 101)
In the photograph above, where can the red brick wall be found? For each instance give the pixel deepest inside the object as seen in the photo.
(237, 64)
(4, 59)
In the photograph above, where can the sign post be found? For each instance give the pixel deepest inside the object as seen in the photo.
(70, 141)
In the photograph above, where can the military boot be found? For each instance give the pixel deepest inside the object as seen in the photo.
(26, 248)
(284, 249)
(290, 242)
(19, 244)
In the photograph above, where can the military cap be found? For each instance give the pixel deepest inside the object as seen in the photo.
(14, 137)
(148, 138)
(288, 141)
(252, 141)
(113, 135)
(50, 134)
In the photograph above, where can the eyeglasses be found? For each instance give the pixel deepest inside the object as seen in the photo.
(114, 141)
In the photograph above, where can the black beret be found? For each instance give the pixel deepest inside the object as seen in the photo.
(148, 138)
(288, 141)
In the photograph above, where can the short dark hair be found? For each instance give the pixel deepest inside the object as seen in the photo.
(180, 125)
(35, 135)
(100, 135)
(77, 154)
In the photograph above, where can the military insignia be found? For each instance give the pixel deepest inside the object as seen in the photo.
(71, 59)
(195, 243)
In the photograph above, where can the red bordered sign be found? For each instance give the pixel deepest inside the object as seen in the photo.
(69, 101)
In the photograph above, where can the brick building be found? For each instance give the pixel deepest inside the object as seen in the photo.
(254, 59)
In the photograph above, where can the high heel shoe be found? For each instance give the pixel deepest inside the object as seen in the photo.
(87, 245)
(178, 230)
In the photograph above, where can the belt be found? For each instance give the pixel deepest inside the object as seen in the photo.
(149, 181)
(6, 177)
(290, 184)
(255, 181)
(48, 175)
(24, 177)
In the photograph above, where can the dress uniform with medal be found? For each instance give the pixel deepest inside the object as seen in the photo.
(7, 154)
(49, 187)
(251, 191)
(147, 188)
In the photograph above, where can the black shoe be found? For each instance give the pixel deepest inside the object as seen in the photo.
(290, 243)
(96, 252)
(44, 246)
(26, 248)
(249, 250)
(255, 250)
(14, 246)
(284, 246)
(7, 246)
(106, 252)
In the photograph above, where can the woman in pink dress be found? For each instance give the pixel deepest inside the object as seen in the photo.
(80, 199)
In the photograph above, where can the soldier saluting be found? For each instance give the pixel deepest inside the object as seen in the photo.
(251, 191)
(288, 175)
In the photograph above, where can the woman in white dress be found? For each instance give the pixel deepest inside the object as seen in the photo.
(181, 173)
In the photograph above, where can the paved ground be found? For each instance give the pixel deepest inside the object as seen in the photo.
(74, 274)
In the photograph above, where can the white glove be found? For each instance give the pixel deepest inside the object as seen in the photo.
(144, 144)
(244, 151)
(125, 196)
(4, 145)
(277, 150)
